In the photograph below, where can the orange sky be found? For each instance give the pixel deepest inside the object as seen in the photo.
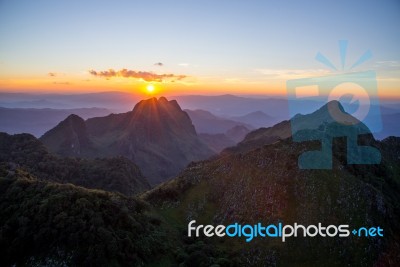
(64, 83)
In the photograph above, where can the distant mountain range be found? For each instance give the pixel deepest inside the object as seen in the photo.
(254, 111)
(217, 132)
(37, 121)
(115, 101)
(206, 122)
(257, 119)
(156, 135)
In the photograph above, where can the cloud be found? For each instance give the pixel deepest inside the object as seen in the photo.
(143, 75)
(388, 65)
(55, 74)
(62, 83)
(158, 64)
(292, 73)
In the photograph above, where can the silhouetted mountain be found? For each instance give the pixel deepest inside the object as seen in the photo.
(157, 135)
(112, 174)
(69, 138)
(206, 122)
(265, 185)
(257, 119)
(284, 129)
(38, 121)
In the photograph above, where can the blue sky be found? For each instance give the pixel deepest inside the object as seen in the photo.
(213, 41)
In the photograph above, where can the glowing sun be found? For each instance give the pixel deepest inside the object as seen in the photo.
(150, 88)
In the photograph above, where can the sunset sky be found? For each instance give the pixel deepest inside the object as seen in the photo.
(191, 47)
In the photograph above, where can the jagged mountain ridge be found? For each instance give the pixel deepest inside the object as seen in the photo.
(157, 135)
(282, 130)
(264, 184)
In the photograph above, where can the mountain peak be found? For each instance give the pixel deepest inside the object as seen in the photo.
(162, 99)
(69, 137)
(331, 112)
(157, 115)
(74, 119)
(157, 135)
(333, 104)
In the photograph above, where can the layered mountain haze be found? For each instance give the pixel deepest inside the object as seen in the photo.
(37, 121)
(217, 142)
(156, 135)
(257, 119)
(37, 113)
(206, 122)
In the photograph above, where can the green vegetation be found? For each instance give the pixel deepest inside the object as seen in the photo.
(113, 174)
(265, 185)
(44, 222)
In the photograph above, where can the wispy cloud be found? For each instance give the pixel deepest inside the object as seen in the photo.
(292, 73)
(62, 83)
(55, 74)
(158, 64)
(142, 75)
(388, 70)
(389, 65)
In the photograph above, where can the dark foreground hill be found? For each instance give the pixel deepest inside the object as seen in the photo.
(111, 174)
(156, 135)
(48, 224)
(265, 185)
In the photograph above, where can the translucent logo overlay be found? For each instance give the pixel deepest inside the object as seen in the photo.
(349, 108)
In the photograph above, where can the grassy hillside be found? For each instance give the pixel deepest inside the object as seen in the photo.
(265, 185)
